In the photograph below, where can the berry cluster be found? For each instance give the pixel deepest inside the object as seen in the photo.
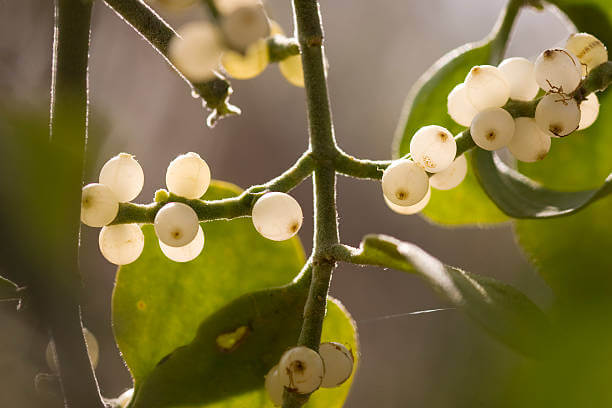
(276, 216)
(237, 43)
(303, 370)
(406, 183)
(479, 103)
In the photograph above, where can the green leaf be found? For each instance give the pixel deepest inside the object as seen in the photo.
(426, 105)
(216, 316)
(8, 290)
(500, 309)
(572, 253)
(520, 197)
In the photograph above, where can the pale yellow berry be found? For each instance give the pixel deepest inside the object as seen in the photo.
(99, 205)
(589, 110)
(187, 252)
(124, 176)
(301, 370)
(404, 182)
(121, 244)
(452, 176)
(188, 176)
(176, 224)
(196, 50)
(245, 25)
(409, 209)
(292, 70)
(277, 216)
(338, 362)
(590, 51)
(249, 65)
(274, 387)
(529, 143)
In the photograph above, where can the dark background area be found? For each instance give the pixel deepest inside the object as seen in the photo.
(376, 51)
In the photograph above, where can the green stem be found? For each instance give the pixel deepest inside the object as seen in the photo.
(323, 146)
(280, 48)
(56, 290)
(159, 33)
(502, 29)
(228, 208)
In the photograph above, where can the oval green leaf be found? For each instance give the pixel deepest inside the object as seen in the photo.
(520, 197)
(220, 308)
(500, 309)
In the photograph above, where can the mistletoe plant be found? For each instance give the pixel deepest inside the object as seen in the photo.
(194, 338)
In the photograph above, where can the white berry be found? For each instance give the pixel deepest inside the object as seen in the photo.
(176, 224)
(301, 370)
(459, 107)
(245, 25)
(292, 70)
(93, 350)
(338, 362)
(185, 253)
(529, 143)
(124, 176)
(196, 50)
(409, 209)
(433, 147)
(487, 87)
(277, 216)
(452, 176)
(188, 176)
(274, 387)
(249, 65)
(589, 110)
(124, 399)
(492, 129)
(121, 244)
(558, 114)
(588, 49)
(404, 183)
(520, 74)
(99, 205)
(558, 70)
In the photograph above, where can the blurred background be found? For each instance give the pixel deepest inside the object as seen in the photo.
(376, 51)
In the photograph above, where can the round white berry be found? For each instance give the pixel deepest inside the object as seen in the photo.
(99, 205)
(245, 25)
(558, 70)
(404, 183)
(185, 253)
(301, 370)
(409, 209)
(338, 362)
(196, 50)
(292, 70)
(124, 399)
(188, 176)
(487, 87)
(277, 216)
(529, 143)
(558, 114)
(459, 107)
(588, 49)
(452, 176)
(124, 176)
(433, 147)
(520, 74)
(589, 110)
(121, 244)
(176, 224)
(492, 129)
(249, 65)
(274, 387)
(93, 350)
